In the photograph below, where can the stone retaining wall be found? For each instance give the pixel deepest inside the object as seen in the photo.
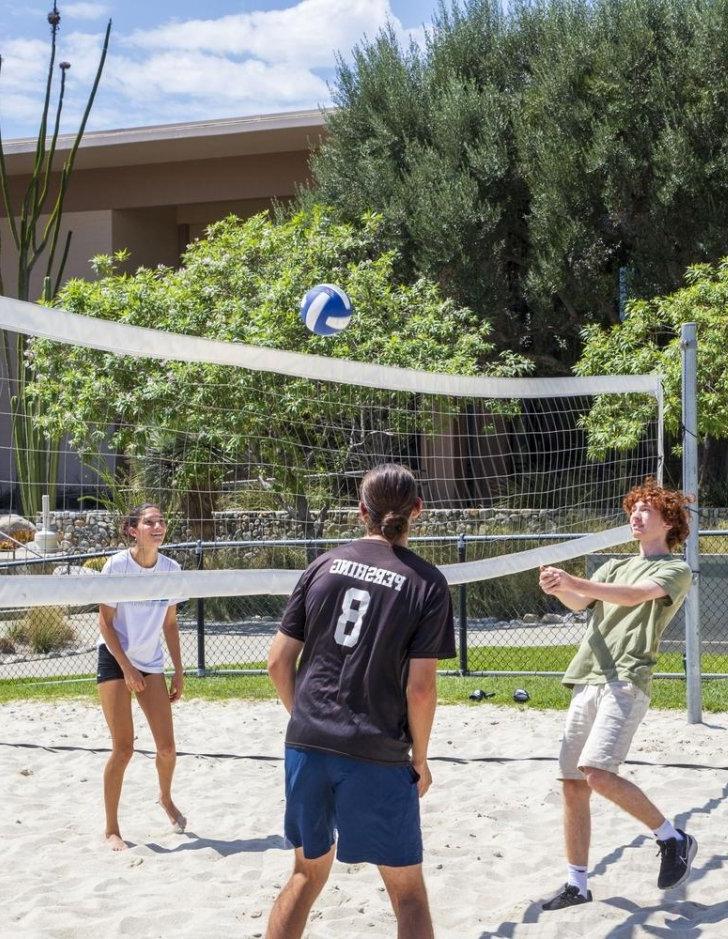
(84, 531)
(99, 529)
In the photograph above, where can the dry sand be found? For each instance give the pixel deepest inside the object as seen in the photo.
(491, 822)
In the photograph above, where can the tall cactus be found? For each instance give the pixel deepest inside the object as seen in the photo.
(36, 456)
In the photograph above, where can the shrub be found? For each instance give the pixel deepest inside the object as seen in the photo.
(7, 647)
(18, 631)
(94, 564)
(47, 628)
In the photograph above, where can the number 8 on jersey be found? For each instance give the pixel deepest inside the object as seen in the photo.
(351, 616)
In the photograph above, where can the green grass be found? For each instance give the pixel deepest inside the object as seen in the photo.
(557, 658)
(214, 688)
(549, 693)
(545, 692)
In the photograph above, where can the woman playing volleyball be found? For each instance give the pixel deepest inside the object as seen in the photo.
(131, 660)
(369, 621)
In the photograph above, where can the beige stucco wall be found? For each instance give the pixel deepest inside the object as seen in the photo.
(91, 235)
(150, 236)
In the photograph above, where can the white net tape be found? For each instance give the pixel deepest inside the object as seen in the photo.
(120, 339)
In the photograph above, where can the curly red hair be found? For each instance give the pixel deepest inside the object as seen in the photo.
(670, 503)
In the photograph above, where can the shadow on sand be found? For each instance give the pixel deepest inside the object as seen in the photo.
(223, 848)
(686, 917)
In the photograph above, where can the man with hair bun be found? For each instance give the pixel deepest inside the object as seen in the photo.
(369, 621)
(632, 600)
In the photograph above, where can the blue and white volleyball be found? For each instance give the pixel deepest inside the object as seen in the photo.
(326, 310)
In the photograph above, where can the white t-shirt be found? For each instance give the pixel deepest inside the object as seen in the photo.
(138, 623)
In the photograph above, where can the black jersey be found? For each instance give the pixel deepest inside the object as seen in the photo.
(362, 612)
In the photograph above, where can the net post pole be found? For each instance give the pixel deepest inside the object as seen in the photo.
(200, 564)
(660, 433)
(463, 616)
(689, 357)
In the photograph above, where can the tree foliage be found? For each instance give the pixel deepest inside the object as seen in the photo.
(243, 283)
(649, 341)
(525, 156)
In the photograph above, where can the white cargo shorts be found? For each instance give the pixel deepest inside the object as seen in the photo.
(600, 724)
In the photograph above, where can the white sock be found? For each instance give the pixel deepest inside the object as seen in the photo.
(666, 831)
(577, 876)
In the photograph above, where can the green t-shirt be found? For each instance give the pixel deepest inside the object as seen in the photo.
(621, 642)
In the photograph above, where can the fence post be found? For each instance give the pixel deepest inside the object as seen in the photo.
(689, 351)
(200, 559)
(463, 596)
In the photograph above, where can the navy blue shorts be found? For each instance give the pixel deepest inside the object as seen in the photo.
(374, 809)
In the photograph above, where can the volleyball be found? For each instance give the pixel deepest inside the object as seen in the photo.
(326, 310)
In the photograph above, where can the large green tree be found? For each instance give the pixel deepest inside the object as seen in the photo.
(649, 341)
(532, 158)
(243, 283)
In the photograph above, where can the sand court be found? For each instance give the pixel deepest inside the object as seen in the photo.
(492, 828)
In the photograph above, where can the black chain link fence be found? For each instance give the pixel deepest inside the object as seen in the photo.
(504, 625)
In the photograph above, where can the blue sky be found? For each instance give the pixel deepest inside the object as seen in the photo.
(186, 60)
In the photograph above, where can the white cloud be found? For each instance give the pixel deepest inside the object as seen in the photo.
(209, 77)
(21, 108)
(230, 66)
(24, 70)
(84, 11)
(309, 32)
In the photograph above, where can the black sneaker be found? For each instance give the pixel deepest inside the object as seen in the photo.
(676, 859)
(569, 896)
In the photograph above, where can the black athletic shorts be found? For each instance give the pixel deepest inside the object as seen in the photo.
(108, 668)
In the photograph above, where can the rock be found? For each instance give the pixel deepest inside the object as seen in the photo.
(72, 570)
(551, 618)
(18, 529)
(6, 646)
(530, 618)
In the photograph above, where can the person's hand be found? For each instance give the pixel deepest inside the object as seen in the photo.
(553, 579)
(134, 679)
(425, 780)
(176, 685)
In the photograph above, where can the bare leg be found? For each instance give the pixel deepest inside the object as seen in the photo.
(577, 821)
(116, 705)
(290, 911)
(624, 794)
(408, 895)
(154, 701)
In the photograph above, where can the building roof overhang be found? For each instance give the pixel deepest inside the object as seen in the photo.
(196, 140)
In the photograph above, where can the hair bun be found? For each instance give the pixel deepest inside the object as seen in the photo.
(394, 524)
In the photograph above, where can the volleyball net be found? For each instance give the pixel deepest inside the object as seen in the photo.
(251, 444)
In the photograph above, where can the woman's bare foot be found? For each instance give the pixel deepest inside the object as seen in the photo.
(179, 822)
(116, 842)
